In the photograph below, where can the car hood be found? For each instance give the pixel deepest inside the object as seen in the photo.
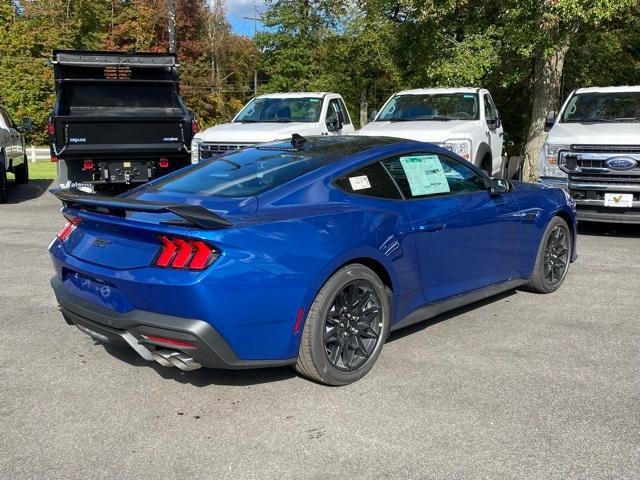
(257, 132)
(422, 131)
(594, 134)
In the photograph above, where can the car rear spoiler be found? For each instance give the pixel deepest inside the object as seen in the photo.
(194, 214)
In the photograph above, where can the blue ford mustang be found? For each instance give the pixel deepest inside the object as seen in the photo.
(304, 253)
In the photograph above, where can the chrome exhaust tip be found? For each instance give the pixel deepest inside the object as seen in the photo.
(173, 358)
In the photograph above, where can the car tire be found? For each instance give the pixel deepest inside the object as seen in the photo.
(346, 327)
(21, 173)
(553, 259)
(3, 182)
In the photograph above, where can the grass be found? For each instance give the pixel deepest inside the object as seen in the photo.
(42, 171)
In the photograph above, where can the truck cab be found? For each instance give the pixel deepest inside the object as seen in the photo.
(593, 151)
(275, 116)
(463, 120)
(118, 120)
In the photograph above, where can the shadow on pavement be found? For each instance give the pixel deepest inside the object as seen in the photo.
(204, 377)
(609, 229)
(398, 334)
(33, 189)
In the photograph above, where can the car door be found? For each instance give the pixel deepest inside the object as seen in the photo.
(466, 238)
(14, 148)
(495, 131)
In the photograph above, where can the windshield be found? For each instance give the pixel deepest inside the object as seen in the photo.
(445, 106)
(603, 107)
(305, 109)
(251, 171)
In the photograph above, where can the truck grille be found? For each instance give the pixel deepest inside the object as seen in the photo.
(208, 150)
(590, 177)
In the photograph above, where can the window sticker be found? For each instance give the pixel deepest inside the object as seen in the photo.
(359, 183)
(314, 100)
(425, 174)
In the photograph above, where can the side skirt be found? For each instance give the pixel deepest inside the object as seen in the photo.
(429, 311)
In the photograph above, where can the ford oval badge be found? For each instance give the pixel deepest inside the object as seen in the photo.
(621, 163)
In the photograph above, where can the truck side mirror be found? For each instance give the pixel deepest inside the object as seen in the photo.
(333, 123)
(372, 115)
(27, 124)
(493, 123)
(549, 120)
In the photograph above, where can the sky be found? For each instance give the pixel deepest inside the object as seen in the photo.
(237, 9)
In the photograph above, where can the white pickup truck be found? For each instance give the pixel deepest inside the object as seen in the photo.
(275, 116)
(464, 120)
(593, 151)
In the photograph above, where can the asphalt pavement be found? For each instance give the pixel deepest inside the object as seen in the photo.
(522, 386)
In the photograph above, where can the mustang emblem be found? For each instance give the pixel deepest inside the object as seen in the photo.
(101, 243)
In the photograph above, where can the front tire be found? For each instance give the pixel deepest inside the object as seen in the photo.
(21, 173)
(552, 261)
(346, 327)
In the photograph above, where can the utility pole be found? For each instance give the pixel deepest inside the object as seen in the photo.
(255, 18)
(171, 7)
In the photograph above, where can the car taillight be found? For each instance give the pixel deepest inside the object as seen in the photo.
(184, 254)
(51, 127)
(87, 164)
(163, 163)
(54, 159)
(68, 228)
(195, 127)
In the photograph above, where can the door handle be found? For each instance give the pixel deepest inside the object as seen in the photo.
(432, 227)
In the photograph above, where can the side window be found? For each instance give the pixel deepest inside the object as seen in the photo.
(422, 175)
(334, 107)
(345, 113)
(371, 180)
(490, 111)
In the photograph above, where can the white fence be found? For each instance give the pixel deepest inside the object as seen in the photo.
(36, 154)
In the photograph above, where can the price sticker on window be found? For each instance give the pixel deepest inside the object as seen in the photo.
(425, 174)
(359, 183)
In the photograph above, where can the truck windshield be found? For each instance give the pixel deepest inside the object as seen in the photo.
(603, 107)
(437, 107)
(251, 171)
(98, 99)
(281, 110)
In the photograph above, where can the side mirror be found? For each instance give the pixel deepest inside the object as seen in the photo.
(372, 115)
(549, 120)
(493, 123)
(333, 123)
(498, 186)
(27, 124)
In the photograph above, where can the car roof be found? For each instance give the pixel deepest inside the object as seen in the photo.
(423, 91)
(295, 94)
(337, 144)
(620, 88)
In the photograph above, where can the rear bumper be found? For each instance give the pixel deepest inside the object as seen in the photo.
(128, 329)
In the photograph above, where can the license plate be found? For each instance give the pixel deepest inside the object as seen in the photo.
(624, 200)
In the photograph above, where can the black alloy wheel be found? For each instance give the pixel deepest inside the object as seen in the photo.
(352, 326)
(556, 255)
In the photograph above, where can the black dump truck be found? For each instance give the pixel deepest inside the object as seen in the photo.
(118, 120)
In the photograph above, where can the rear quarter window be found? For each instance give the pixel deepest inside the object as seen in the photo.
(371, 181)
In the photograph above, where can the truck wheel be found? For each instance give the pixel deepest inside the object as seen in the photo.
(346, 327)
(3, 182)
(552, 261)
(22, 172)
